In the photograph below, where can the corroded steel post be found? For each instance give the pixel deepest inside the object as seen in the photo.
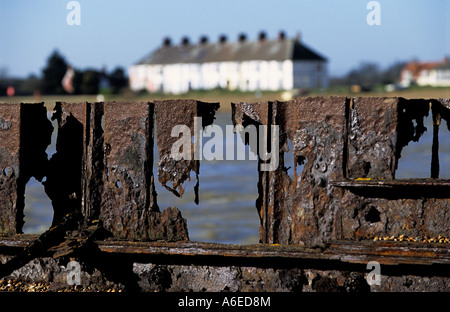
(9, 168)
(25, 133)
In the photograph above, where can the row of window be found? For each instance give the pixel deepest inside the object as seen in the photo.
(247, 76)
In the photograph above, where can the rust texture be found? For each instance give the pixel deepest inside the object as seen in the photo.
(74, 177)
(372, 126)
(192, 266)
(93, 165)
(25, 133)
(350, 148)
(127, 196)
(105, 151)
(9, 166)
(343, 192)
(169, 114)
(64, 174)
(302, 209)
(346, 152)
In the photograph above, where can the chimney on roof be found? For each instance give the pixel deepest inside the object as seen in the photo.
(281, 36)
(222, 39)
(262, 36)
(242, 37)
(297, 37)
(203, 40)
(185, 41)
(167, 42)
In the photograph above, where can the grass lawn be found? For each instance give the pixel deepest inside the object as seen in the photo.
(226, 97)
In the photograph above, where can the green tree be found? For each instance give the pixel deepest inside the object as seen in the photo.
(392, 73)
(367, 74)
(29, 85)
(90, 82)
(53, 74)
(77, 81)
(117, 80)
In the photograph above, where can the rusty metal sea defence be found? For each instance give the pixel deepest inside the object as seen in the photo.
(347, 189)
(102, 188)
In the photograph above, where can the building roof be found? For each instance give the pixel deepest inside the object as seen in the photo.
(415, 68)
(204, 52)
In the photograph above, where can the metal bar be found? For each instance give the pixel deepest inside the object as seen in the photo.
(385, 252)
(435, 147)
(390, 183)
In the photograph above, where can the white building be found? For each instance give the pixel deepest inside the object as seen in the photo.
(435, 74)
(280, 64)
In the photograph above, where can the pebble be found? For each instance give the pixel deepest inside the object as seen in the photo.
(20, 286)
(440, 239)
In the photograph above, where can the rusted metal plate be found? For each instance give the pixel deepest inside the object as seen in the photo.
(9, 167)
(75, 171)
(345, 251)
(63, 112)
(346, 151)
(372, 127)
(25, 133)
(129, 208)
(406, 183)
(344, 194)
(35, 136)
(172, 113)
(128, 190)
(384, 206)
(65, 168)
(17, 241)
(444, 102)
(92, 175)
(342, 142)
(389, 253)
(299, 210)
(316, 128)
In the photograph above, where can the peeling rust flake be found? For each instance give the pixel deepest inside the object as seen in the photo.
(172, 113)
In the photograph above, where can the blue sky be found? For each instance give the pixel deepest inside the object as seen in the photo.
(120, 32)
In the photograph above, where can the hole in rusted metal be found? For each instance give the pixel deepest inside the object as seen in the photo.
(373, 215)
(107, 171)
(35, 137)
(226, 211)
(427, 156)
(415, 158)
(293, 165)
(51, 148)
(37, 212)
(290, 163)
(6, 171)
